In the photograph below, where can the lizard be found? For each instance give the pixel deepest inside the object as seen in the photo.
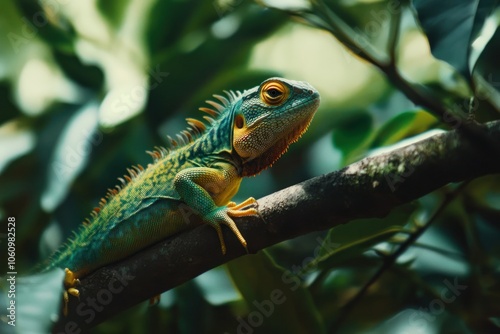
(244, 133)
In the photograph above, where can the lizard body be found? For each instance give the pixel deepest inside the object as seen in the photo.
(248, 133)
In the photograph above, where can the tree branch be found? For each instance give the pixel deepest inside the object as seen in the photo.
(368, 188)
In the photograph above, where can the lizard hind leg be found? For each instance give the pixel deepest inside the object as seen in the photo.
(70, 281)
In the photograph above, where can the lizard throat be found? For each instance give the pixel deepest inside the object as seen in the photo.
(269, 157)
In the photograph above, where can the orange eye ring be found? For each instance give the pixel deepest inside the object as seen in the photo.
(274, 93)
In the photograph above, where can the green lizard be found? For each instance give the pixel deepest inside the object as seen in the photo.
(247, 133)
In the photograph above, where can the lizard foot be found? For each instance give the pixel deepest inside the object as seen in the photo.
(223, 216)
(70, 281)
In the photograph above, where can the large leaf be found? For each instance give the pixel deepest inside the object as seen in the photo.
(348, 241)
(452, 26)
(37, 302)
(487, 67)
(404, 125)
(273, 295)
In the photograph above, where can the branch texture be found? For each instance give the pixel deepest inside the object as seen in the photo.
(369, 188)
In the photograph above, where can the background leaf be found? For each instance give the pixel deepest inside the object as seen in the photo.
(351, 134)
(404, 125)
(451, 28)
(259, 279)
(360, 235)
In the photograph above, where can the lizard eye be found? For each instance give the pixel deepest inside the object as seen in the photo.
(273, 93)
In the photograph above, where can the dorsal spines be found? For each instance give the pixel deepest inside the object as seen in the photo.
(219, 107)
(209, 111)
(158, 153)
(196, 125)
(209, 119)
(233, 95)
(225, 102)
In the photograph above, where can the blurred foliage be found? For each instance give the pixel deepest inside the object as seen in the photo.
(87, 87)
(454, 28)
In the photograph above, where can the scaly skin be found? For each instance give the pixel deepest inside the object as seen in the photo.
(251, 130)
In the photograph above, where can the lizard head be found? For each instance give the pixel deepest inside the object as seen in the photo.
(269, 118)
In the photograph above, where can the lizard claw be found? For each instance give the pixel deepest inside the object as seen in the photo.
(70, 281)
(248, 202)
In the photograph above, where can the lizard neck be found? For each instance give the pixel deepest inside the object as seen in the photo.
(217, 139)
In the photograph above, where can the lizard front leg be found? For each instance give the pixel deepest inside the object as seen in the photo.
(207, 190)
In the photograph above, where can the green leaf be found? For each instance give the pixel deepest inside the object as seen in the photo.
(404, 125)
(348, 241)
(452, 26)
(352, 133)
(113, 10)
(89, 76)
(272, 295)
(487, 66)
